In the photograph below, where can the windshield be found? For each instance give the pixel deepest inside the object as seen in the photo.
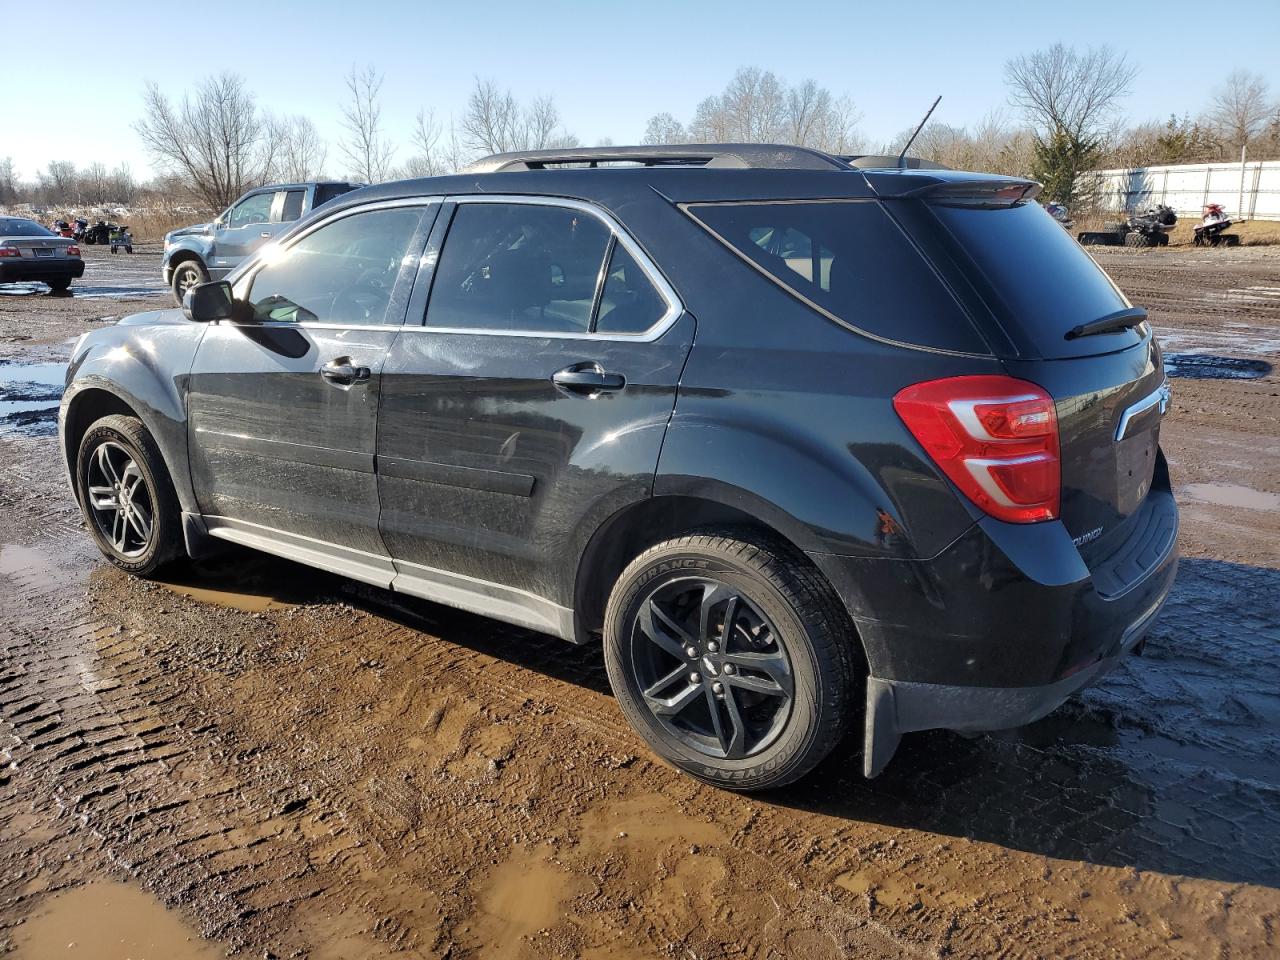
(1037, 278)
(15, 227)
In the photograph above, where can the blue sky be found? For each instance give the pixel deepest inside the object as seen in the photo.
(609, 65)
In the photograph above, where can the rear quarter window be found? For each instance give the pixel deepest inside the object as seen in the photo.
(849, 260)
(1037, 279)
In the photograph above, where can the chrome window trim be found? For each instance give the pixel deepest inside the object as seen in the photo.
(244, 283)
(1160, 395)
(664, 323)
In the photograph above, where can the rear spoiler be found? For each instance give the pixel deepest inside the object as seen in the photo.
(952, 187)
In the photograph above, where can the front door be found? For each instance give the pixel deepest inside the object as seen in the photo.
(247, 226)
(282, 410)
(530, 404)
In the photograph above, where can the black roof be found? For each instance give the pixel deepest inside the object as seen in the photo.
(679, 173)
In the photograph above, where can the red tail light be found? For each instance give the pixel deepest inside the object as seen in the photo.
(996, 438)
(73, 251)
(10, 252)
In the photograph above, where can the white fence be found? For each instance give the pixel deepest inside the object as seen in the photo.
(1248, 191)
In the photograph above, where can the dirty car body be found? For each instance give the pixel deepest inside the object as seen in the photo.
(905, 395)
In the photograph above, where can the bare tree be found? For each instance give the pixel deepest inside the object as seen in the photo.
(8, 181)
(1241, 108)
(757, 107)
(366, 149)
(302, 151)
(94, 184)
(1069, 98)
(495, 122)
(1061, 90)
(216, 142)
(664, 128)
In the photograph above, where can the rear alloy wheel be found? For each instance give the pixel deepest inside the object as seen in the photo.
(126, 496)
(732, 662)
(187, 274)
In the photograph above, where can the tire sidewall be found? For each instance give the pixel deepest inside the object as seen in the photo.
(163, 520)
(791, 746)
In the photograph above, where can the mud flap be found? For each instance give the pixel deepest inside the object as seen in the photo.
(881, 735)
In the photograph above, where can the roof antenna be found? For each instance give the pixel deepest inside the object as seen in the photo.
(902, 157)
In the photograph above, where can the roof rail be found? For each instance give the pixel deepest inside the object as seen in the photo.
(742, 156)
(871, 161)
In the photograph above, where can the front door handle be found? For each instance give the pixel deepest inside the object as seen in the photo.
(341, 372)
(588, 379)
(265, 233)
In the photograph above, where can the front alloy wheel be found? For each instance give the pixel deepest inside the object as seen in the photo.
(120, 502)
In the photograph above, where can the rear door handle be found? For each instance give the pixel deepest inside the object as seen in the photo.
(341, 372)
(265, 233)
(588, 379)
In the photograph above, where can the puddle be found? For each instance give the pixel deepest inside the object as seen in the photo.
(1205, 366)
(109, 921)
(25, 562)
(29, 397)
(247, 581)
(521, 897)
(1231, 495)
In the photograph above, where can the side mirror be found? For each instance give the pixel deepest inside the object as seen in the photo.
(209, 302)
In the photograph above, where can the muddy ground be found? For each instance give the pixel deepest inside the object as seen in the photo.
(265, 761)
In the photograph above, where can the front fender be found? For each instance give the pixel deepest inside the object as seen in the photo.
(199, 244)
(146, 368)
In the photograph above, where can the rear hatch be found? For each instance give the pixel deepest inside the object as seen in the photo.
(1047, 296)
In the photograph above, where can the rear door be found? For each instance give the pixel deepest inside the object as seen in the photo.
(282, 409)
(534, 393)
(1109, 388)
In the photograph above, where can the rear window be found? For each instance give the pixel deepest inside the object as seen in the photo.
(23, 228)
(1037, 278)
(328, 191)
(851, 261)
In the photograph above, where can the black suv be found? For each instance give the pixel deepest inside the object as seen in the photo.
(811, 442)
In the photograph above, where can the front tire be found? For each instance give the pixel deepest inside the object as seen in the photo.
(186, 275)
(731, 658)
(126, 496)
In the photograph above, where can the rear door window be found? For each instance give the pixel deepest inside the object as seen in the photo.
(1036, 277)
(292, 208)
(518, 267)
(851, 261)
(629, 304)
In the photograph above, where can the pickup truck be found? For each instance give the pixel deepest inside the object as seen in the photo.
(209, 251)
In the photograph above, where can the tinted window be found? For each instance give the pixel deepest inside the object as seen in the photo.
(15, 227)
(518, 267)
(629, 303)
(1037, 276)
(327, 191)
(254, 209)
(852, 261)
(342, 273)
(292, 209)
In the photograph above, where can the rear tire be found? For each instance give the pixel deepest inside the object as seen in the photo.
(1139, 240)
(751, 706)
(127, 497)
(185, 276)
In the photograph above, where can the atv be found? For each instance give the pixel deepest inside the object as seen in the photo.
(1149, 228)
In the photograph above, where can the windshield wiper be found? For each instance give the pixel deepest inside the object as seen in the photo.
(1111, 323)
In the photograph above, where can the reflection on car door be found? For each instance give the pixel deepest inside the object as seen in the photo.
(248, 227)
(506, 421)
(282, 410)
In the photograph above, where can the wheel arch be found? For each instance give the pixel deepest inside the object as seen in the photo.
(634, 528)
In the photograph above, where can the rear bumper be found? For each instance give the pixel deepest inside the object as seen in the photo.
(23, 269)
(895, 707)
(1002, 626)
